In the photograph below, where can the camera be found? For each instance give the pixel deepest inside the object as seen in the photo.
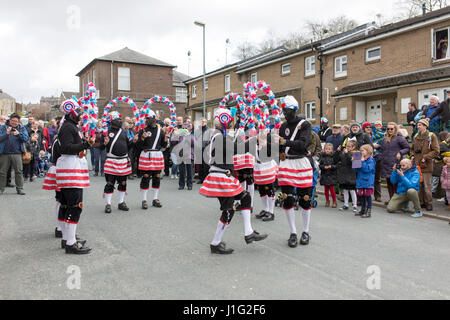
(418, 151)
(398, 166)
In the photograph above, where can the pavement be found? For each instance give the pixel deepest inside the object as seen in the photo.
(164, 253)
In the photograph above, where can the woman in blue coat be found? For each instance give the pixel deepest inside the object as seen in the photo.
(365, 181)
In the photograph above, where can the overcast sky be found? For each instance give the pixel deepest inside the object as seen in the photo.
(44, 44)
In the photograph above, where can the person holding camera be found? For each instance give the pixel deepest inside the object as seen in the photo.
(425, 148)
(407, 178)
(13, 136)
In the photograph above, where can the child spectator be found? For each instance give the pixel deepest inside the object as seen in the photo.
(445, 179)
(328, 177)
(365, 181)
(347, 175)
(34, 147)
(44, 163)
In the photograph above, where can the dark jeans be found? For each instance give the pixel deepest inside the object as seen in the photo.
(203, 170)
(91, 149)
(185, 170)
(167, 162)
(133, 160)
(99, 160)
(31, 169)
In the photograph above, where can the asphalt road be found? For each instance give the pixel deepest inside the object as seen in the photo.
(164, 253)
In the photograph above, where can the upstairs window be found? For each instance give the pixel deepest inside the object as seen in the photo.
(310, 108)
(285, 68)
(440, 44)
(227, 83)
(340, 66)
(194, 91)
(123, 79)
(373, 54)
(254, 77)
(181, 95)
(310, 66)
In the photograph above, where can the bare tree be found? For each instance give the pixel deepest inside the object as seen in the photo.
(413, 8)
(320, 30)
(245, 50)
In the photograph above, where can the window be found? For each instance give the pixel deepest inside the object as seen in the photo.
(373, 54)
(340, 66)
(440, 44)
(123, 79)
(310, 66)
(227, 83)
(93, 76)
(254, 77)
(88, 78)
(194, 91)
(181, 95)
(206, 84)
(310, 110)
(285, 68)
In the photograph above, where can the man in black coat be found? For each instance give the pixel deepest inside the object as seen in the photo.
(413, 111)
(357, 135)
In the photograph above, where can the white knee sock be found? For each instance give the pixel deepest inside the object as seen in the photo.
(71, 230)
(58, 223)
(290, 215)
(122, 196)
(108, 197)
(271, 202)
(247, 222)
(64, 230)
(251, 190)
(155, 194)
(221, 227)
(144, 195)
(354, 198)
(346, 196)
(265, 203)
(306, 215)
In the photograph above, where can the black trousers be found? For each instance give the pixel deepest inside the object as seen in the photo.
(71, 205)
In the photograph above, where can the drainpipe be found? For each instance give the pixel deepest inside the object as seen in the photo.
(320, 58)
(112, 79)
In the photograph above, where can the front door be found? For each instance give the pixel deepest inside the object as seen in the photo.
(374, 111)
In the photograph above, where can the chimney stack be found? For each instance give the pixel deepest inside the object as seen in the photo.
(424, 9)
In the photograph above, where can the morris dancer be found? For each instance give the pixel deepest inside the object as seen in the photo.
(221, 184)
(151, 161)
(265, 173)
(117, 165)
(295, 169)
(72, 176)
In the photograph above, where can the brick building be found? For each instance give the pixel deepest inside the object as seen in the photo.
(137, 76)
(369, 73)
(7, 104)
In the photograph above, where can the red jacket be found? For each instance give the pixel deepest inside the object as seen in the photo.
(46, 136)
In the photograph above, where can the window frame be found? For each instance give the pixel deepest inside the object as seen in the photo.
(308, 70)
(256, 76)
(194, 91)
(434, 44)
(340, 73)
(283, 73)
(227, 77)
(181, 97)
(368, 59)
(308, 110)
(120, 78)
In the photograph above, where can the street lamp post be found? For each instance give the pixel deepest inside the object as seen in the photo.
(200, 24)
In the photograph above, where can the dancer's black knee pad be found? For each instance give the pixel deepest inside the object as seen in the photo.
(109, 188)
(289, 201)
(246, 200)
(305, 197)
(227, 215)
(122, 186)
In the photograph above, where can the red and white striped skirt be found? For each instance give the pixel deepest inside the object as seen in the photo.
(218, 184)
(295, 173)
(243, 161)
(72, 172)
(50, 179)
(265, 173)
(118, 167)
(151, 161)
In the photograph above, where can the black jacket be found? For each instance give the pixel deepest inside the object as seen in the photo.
(324, 133)
(361, 137)
(299, 146)
(122, 144)
(147, 144)
(328, 177)
(347, 175)
(71, 139)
